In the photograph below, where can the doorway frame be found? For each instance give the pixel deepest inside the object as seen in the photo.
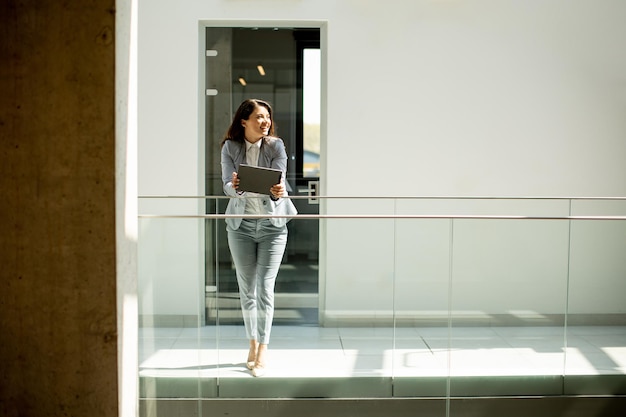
(322, 25)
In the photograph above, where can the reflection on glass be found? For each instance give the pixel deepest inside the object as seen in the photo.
(311, 112)
(596, 342)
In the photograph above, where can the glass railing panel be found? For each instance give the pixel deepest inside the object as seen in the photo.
(390, 298)
(221, 302)
(178, 355)
(508, 300)
(596, 336)
(508, 307)
(349, 350)
(421, 301)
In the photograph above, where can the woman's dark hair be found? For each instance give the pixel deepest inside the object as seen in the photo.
(236, 130)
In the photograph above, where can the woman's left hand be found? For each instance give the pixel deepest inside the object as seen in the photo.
(278, 190)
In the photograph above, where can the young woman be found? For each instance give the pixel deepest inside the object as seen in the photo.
(256, 245)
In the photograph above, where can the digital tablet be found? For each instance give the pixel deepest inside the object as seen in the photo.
(258, 179)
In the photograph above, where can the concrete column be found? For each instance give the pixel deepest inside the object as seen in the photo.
(58, 336)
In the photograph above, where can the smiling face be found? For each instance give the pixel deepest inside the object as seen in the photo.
(257, 125)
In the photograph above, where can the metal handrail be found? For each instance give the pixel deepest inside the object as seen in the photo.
(392, 216)
(375, 216)
(327, 197)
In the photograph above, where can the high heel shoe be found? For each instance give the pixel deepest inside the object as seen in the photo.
(259, 364)
(258, 370)
(252, 356)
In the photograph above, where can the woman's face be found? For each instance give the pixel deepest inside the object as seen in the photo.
(257, 125)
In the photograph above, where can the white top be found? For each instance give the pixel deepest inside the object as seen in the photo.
(253, 204)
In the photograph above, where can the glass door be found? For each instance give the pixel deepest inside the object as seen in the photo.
(281, 66)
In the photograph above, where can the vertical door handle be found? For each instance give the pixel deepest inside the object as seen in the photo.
(311, 191)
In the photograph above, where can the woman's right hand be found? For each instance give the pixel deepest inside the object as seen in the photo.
(235, 181)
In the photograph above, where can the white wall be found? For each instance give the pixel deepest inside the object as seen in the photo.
(455, 97)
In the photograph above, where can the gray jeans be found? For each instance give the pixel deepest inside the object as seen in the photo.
(257, 248)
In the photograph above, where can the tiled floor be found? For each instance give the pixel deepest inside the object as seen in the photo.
(310, 352)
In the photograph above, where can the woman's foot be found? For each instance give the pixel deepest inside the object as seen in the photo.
(259, 365)
(252, 355)
(258, 370)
